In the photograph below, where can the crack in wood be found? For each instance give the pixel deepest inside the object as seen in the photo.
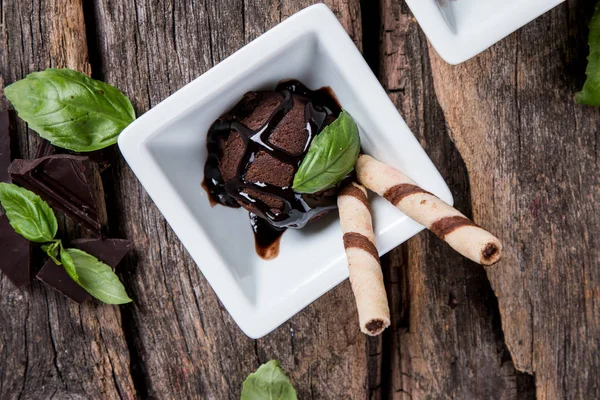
(244, 21)
(26, 352)
(210, 35)
(371, 27)
(52, 341)
(135, 364)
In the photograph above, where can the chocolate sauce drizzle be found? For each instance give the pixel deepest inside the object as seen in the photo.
(298, 209)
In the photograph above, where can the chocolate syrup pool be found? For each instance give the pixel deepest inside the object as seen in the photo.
(294, 210)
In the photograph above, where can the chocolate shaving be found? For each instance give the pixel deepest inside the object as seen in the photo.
(397, 193)
(359, 241)
(445, 226)
(355, 192)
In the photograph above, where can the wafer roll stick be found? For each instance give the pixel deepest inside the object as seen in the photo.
(366, 277)
(442, 219)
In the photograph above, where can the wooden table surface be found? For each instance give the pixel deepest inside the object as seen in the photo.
(519, 155)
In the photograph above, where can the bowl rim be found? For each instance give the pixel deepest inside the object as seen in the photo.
(455, 48)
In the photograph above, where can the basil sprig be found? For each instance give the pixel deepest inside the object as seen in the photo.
(268, 382)
(330, 157)
(69, 265)
(52, 250)
(70, 109)
(97, 278)
(32, 218)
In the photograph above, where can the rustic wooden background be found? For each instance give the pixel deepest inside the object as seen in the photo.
(521, 158)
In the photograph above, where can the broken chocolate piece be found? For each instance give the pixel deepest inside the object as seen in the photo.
(44, 149)
(69, 183)
(15, 253)
(56, 277)
(109, 251)
(5, 128)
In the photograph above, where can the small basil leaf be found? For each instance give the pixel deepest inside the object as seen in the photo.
(29, 215)
(71, 110)
(52, 250)
(330, 157)
(590, 94)
(68, 264)
(269, 382)
(98, 279)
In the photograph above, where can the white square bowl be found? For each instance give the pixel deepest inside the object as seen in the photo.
(479, 23)
(166, 149)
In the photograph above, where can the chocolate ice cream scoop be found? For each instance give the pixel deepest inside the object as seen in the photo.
(256, 148)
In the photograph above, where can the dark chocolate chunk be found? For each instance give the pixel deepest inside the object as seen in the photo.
(44, 149)
(109, 251)
(15, 254)
(5, 129)
(68, 183)
(56, 277)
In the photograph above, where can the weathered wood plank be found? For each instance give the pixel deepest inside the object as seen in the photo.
(528, 152)
(446, 340)
(149, 49)
(532, 158)
(49, 346)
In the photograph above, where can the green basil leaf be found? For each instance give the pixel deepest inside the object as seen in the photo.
(68, 264)
(29, 215)
(331, 156)
(98, 279)
(71, 110)
(590, 94)
(269, 382)
(52, 250)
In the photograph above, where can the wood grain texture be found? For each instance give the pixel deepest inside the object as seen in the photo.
(520, 157)
(49, 346)
(185, 344)
(446, 340)
(532, 158)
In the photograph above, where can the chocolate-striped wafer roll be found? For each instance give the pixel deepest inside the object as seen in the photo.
(366, 277)
(442, 219)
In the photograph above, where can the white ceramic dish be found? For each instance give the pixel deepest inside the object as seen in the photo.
(479, 23)
(166, 149)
